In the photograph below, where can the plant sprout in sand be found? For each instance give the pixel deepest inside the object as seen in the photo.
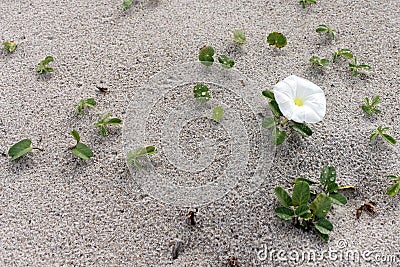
(294, 101)
(342, 52)
(206, 55)
(10, 46)
(90, 102)
(201, 93)
(304, 2)
(381, 131)
(326, 29)
(369, 106)
(298, 209)
(80, 150)
(355, 67)
(42, 67)
(134, 155)
(20, 149)
(322, 62)
(394, 189)
(226, 61)
(239, 37)
(102, 122)
(277, 39)
(126, 4)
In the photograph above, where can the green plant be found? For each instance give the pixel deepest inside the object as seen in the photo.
(278, 121)
(381, 131)
(140, 152)
(369, 107)
(80, 150)
(218, 113)
(42, 67)
(239, 37)
(394, 189)
(201, 93)
(356, 67)
(10, 46)
(277, 39)
(308, 210)
(304, 2)
(326, 29)
(342, 52)
(323, 62)
(127, 4)
(206, 55)
(226, 61)
(20, 149)
(90, 102)
(102, 122)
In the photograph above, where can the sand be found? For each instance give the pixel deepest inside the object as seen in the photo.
(56, 210)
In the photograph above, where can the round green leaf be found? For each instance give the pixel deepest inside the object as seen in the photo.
(226, 61)
(301, 194)
(284, 213)
(218, 113)
(277, 39)
(321, 206)
(201, 92)
(206, 55)
(324, 226)
(239, 37)
(338, 199)
(268, 122)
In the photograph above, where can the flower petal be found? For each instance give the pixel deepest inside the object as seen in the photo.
(314, 103)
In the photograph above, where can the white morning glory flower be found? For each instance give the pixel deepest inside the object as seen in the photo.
(300, 100)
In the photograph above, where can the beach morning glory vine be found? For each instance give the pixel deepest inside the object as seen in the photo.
(294, 102)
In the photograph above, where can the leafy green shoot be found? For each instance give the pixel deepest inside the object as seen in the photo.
(42, 67)
(306, 211)
(127, 4)
(103, 121)
(226, 61)
(90, 102)
(381, 131)
(10, 46)
(326, 29)
(342, 52)
(354, 67)
(277, 39)
(278, 121)
(80, 150)
(218, 113)
(201, 93)
(304, 2)
(20, 149)
(206, 55)
(322, 62)
(134, 155)
(239, 37)
(394, 189)
(369, 106)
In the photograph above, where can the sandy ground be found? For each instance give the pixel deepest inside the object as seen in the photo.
(56, 210)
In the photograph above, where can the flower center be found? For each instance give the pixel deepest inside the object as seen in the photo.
(298, 101)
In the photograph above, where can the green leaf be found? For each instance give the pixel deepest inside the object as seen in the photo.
(323, 237)
(20, 149)
(372, 137)
(278, 136)
(302, 210)
(42, 67)
(301, 194)
(239, 37)
(82, 151)
(284, 213)
(90, 102)
(10, 46)
(394, 189)
(323, 62)
(127, 4)
(297, 180)
(277, 39)
(332, 187)
(325, 28)
(114, 121)
(283, 196)
(389, 138)
(103, 130)
(321, 206)
(133, 156)
(338, 199)
(150, 150)
(273, 105)
(201, 93)
(268, 122)
(76, 136)
(206, 55)
(302, 128)
(328, 175)
(218, 113)
(376, 100)
(47, 60)
(324, 226)
(268, 94)
(226, 61)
